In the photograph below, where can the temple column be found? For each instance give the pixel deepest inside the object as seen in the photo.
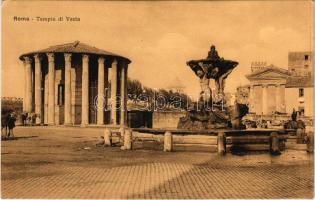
(282, 98)
(113, 92)
(123, 95)
(264, 100)
(85, 91)
(46, 85)
(73, 95)
(278, 104)
(126, 93)
(101, 96)
(51, 88)
(67, 111)
(251, 99)
(28, 83)
(38, 91)
(24, 87)
(106, 85)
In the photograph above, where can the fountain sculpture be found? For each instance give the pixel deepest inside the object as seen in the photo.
(211, 111)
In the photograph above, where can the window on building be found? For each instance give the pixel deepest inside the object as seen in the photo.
(61, 94)
(301, 92)
(301, 110)
(306, 57)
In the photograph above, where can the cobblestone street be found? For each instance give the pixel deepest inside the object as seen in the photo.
(46, 162)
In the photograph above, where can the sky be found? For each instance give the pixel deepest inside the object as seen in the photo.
(160, 36)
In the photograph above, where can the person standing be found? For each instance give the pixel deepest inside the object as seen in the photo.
(11, 124)
(294, 115)
(24, 117)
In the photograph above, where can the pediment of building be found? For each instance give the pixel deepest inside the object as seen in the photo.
(269, 74)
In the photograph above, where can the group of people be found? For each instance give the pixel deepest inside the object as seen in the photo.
(28, 119)
(7, 125)
(8, 119)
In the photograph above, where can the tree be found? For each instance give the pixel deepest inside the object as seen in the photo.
(160, 98)
(134, 88)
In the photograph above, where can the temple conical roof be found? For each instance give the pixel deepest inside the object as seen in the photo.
(74, 47)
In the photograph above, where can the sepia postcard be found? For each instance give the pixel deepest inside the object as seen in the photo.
(157, 99)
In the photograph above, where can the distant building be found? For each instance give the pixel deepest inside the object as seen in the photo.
(299, 95)
(267, 90)
(257, 66)
(276, 90)
(300, 85)
(300, 63)
(242, 94)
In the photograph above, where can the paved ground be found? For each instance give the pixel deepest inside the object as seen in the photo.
(65, 163)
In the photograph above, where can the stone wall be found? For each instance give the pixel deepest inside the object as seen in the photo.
(167, 119)
(139, 119)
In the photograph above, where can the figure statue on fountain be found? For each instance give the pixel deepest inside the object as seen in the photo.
(213, 67)
(213, 54)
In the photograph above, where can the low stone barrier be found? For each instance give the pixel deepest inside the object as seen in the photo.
(274, 143)
(221, 143)
(107, 137)
(272, 140)
(128, 139)
(168, 141)
(301, 135)
(310, 142)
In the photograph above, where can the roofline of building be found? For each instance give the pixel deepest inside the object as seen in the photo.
(271, 67)
(294, 86)
(104, 55)
(47, 50)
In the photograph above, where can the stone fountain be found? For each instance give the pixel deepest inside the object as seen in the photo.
(211, 111)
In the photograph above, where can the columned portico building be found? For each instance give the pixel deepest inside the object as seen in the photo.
(75, 83)
(267, 90)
